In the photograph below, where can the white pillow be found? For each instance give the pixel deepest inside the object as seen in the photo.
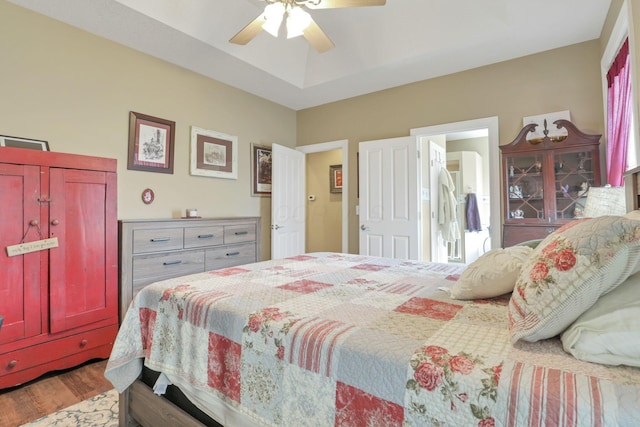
(491, 275)
(635, 215)
(609, 332)
(568, 271)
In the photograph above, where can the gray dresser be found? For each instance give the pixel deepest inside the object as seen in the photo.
(153, 250)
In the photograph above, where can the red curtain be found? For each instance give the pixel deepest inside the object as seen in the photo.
(618, 115)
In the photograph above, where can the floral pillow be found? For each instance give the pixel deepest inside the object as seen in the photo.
(491, 275)
(568, 271)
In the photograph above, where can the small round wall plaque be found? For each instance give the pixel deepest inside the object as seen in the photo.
(148, 196)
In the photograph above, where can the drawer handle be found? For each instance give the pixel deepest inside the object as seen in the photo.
(241, 233)
(160, 239)
(172, 262)
(12, 364)
(205, 236)
(83, 343)
(233, 253)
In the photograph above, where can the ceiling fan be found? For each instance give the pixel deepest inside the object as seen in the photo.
(298, 20)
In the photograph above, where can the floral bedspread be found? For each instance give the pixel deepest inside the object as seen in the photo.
(329, 339)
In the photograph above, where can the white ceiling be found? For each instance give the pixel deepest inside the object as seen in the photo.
(376, 47)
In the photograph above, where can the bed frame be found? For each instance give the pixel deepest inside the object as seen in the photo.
(140, 406)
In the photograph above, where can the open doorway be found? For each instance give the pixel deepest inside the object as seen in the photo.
(461, 136)
(338, 152)
(324, 201)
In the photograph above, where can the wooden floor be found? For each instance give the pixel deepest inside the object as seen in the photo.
(52, 392)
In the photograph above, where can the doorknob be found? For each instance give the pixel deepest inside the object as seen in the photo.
(363, 228)
(275, 227)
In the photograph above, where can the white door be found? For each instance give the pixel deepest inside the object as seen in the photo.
(437, 160)
(389, 208)
(287, 202)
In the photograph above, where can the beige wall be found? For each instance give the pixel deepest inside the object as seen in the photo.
(324, 214)
(557, 80)
(76, 90)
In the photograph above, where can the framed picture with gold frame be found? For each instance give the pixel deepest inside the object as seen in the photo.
(213, 154)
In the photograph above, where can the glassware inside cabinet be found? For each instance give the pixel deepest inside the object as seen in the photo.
(525, 190)
(573, 177)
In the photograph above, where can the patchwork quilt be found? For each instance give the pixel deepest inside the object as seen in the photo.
(329, 339)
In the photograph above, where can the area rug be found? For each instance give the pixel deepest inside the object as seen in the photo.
(98, 411)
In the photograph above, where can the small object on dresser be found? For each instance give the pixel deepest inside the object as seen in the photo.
(192, 213)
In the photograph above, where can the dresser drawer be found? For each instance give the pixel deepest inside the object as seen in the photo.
(239, 233)
(167, 239)
(151, 268)
(57, 351)
(197, 237)
(230, 256)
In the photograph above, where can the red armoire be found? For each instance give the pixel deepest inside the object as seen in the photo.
(58, 261)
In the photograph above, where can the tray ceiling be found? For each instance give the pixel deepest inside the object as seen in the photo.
(376, 47)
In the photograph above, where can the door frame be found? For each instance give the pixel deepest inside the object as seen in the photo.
(490, 123)
(343, 145)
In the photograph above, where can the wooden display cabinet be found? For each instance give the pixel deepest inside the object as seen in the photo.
(546, 181)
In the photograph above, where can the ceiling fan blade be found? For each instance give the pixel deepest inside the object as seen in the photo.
(252, 29)
(333, 4)
(317, 38)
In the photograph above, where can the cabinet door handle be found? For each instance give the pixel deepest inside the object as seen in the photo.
(172, 262)
(12, 364)
(205, 236)
(160, 239)
(233, 253)
(241, 233)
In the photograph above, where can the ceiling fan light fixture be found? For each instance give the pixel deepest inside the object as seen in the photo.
(273, 15)
(297, 21)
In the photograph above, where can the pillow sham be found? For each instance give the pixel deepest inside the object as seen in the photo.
(491, 275)
(633, 215)
(608, 332)
(568, 271)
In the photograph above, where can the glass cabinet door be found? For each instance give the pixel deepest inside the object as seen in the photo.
(574, 176)
(525, 187)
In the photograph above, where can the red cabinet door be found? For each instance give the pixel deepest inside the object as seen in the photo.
(83, 269)
(21, 276)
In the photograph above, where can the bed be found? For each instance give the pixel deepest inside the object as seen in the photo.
(348, 340)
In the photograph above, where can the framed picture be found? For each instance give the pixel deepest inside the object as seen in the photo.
(151, 142)
(213, 154)
(260, 171)
(31, 144)
(335, 178)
